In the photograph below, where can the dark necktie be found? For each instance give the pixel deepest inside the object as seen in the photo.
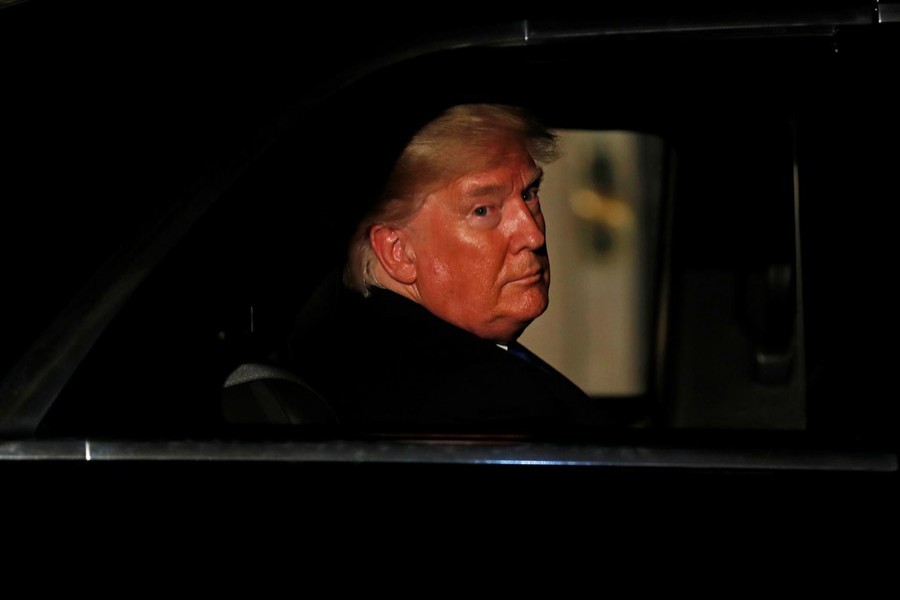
(517, 349)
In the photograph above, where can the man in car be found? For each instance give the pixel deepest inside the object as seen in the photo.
(447, 270)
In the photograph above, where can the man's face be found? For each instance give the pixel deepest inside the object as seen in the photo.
(478, 246)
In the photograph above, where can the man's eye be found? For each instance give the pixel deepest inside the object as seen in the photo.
(481, 211)
(530, 194)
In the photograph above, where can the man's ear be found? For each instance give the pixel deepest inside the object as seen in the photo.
(394, 254)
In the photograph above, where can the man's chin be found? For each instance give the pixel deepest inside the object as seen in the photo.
(538, 299)
(538, 311)
(506, 320)
(527, 312)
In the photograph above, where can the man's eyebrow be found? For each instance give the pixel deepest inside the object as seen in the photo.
(536, 179)
(500, 188)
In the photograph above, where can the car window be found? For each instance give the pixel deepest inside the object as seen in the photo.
(604, 206)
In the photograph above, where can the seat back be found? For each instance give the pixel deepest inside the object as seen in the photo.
(261, 394)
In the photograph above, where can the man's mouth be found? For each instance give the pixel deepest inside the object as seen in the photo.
(530, 277)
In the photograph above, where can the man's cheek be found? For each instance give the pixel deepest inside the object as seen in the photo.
(436, 278)
(439, 272)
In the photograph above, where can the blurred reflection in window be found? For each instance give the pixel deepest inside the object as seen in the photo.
(602, 202)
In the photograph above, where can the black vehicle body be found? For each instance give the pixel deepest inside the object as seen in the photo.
(125, 138)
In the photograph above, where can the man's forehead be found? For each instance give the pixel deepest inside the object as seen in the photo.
(505, 177)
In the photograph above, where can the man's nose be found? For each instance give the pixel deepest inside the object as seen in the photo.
(527, 228)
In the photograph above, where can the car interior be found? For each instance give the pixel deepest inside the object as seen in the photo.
(757, 281)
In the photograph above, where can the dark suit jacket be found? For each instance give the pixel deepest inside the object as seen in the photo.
(386, 361)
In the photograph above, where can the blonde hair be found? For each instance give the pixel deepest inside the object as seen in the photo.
(446, 148)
